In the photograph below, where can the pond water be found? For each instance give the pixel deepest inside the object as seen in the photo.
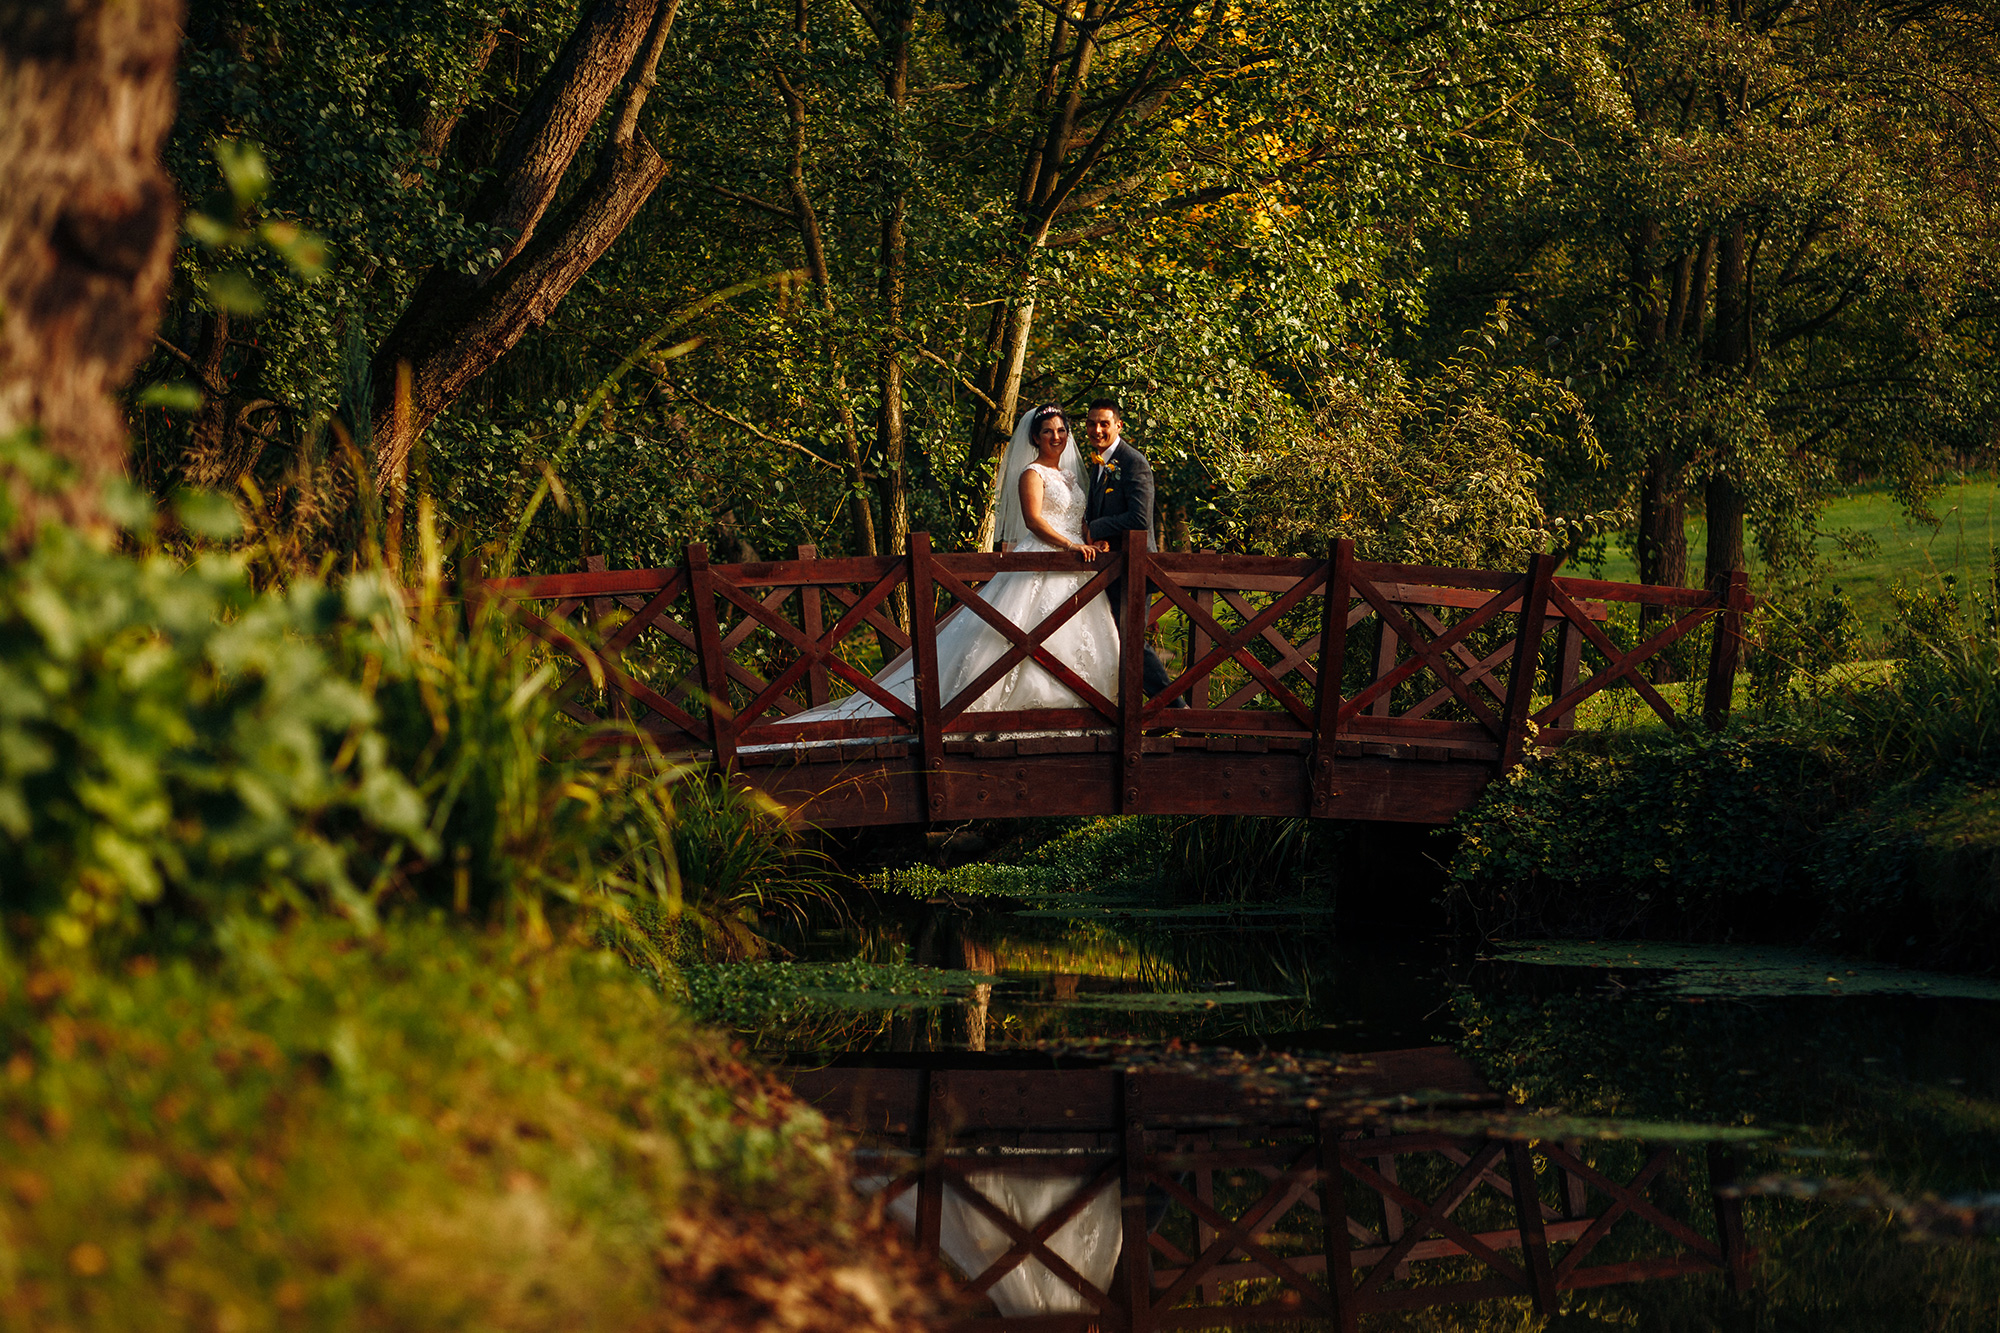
(1884, 1082)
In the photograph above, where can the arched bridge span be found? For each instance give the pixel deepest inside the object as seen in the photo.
(1446, 678)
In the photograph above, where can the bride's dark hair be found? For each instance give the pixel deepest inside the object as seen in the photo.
(1045, 413)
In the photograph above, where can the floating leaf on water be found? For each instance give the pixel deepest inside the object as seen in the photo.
(1156, 1002)
(1730, 970)
(1557, 1128)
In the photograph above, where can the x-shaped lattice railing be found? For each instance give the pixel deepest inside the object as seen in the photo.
(1024, 644)
(1622, 665)
(1291, 1183)
(1620, 1201)
(1424, 1217)
(1235, 645)
(602, 664)
(816, 651)
(1430, 650)
(1026, 1242)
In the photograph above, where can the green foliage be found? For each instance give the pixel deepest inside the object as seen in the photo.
(761, 996)
(1445, 471)
(423, 1128)
(1807, 633)
(736, 862)
(176, 746)
(172, 743)
(1858, 814)
(1675, 831)
(1223, 859)
(1244, 858)
(979, 879)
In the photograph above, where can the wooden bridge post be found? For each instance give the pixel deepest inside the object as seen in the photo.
(1723, 1166)
(937, 1141)
(1135, 1255)
(812, 624)
(713, 661)
(1527, 658)
(1332, 658)
(923, 647)
(1534, 1237)
(1733, 592)
(1132, 669)
(1338, 1245)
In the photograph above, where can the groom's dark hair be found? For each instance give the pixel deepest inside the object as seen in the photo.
(1116, 408)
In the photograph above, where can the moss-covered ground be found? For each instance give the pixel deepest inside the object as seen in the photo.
(426, 1128)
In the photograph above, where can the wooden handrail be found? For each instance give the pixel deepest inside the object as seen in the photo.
(1244, 615)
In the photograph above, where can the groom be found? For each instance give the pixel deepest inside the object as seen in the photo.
(1121, 501)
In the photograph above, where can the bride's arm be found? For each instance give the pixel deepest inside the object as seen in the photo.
(1031, 512)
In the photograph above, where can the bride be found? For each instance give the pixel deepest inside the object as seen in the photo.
(1041, 501)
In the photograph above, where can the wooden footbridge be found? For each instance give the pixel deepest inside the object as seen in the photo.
(1146, 1198)
(1337, 687)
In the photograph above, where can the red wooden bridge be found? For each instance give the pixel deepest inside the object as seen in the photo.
(1442, 678)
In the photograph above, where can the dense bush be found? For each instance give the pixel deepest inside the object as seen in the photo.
(1686, 832)
(177, 745)
(1859, 815)
(172, 742)
(428, 1128)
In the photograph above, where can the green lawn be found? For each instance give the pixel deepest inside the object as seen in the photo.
(1904, 551)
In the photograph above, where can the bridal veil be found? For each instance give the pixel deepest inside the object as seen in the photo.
(1011, 526)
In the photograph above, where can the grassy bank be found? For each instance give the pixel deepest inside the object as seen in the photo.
(1869, 545)
(427, 1127)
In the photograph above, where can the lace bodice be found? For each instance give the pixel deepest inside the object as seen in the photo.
(1062, 508)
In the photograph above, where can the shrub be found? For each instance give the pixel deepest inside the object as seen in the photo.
(177, 746)
(172, 743)
(1683, 832)
(1199, 859)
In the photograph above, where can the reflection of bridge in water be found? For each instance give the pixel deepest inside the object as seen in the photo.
(1154, 1198)
(1447, 677)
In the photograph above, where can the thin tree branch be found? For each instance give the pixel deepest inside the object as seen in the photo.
(971, 388)
(740, 423)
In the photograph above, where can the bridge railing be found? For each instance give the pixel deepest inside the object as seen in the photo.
(1466, 664)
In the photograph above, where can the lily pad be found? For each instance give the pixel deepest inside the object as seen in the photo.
(1083, 908)
(1558, 1128)
(1726, 970)
(1176, 1002)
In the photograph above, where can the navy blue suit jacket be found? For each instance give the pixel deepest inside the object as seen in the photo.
(1123, 501)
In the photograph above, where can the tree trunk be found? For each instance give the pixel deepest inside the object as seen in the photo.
(814, 245)
(1723, 496)
(87, 226)
(457, 326)
(891, 440)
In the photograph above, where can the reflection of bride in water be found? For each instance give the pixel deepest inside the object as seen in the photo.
(1041, 499)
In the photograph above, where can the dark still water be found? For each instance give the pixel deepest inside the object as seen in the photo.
(1878, 1091)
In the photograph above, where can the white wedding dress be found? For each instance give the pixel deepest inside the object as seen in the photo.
(1087, 643)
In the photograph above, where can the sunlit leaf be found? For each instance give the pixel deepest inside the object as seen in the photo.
(207, 514)
(305, 251)
(243, 170)
(173, 395)
(233, 292)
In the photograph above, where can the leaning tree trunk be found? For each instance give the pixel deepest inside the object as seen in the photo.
(456, 325)
(87, 222)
